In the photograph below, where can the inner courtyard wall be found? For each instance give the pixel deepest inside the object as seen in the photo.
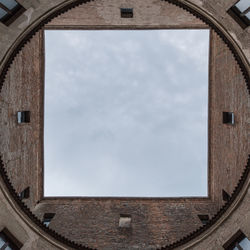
(166, 220)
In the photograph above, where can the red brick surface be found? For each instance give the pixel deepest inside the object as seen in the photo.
(155, 222)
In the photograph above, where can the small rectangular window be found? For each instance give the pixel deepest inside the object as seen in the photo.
(10, 4)
(23, 116)
(238, 241)
(225, 195)
(204, 218)
(126, 12)
(240, 12)
(25, 194)
(228, 118)
(125, 221)
(8, 241)
(10, 10)
(3, 13)
(47, 218)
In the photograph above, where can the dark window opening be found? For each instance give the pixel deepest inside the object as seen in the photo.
(47, 218)
(238, 241)
(225, 195)
(228, 118)
(8, 241)
(126, 12)
(25, 194)
(204, 218)
(23, 116)
(10, 10)
(240, 12)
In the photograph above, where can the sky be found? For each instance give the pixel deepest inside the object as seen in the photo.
(126, 113)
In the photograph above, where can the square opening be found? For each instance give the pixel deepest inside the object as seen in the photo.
(240, 12)
(228, 118)
(237, 242)
(9, 241)
(126, 12)
(10, 10)
(47, 217)
(25, 194)
(125, 221)
(23, 116)
(204, 218)
(126, 113)
(225, 195)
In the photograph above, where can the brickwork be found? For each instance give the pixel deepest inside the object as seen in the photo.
(106, 13)
(230, 144)
(95, 221)
(19, 228)
(219, 9)
(155, 222)
(21, 143)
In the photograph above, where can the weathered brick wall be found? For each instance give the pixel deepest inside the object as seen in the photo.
(238, 220)
(154, 222)
(20, 144)
(106, 13)
(218, 9)
(21, 229)
(229, 144)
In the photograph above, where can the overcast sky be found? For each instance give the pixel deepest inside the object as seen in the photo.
(126, 113)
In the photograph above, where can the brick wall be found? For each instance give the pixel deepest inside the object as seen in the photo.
(155, 222)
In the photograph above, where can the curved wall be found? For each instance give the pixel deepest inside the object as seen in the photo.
(94, 221)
